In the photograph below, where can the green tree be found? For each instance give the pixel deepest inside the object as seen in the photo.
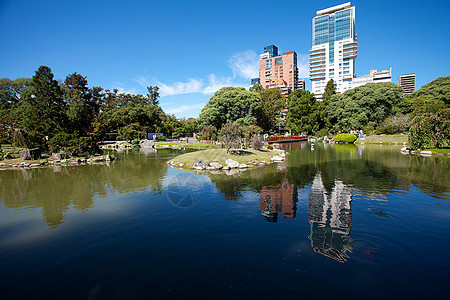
(273, 102)
(369, 104)
(153, 94)
(231, 135)
(330, 90)
(43, 106)
(432, 97)
(231, 104)
(256, 88)
(430, 130)
(302, 113)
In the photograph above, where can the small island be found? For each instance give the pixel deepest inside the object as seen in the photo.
(221, 159)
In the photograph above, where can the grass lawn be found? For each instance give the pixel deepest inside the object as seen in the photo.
(187, 145)
(445, 151)
(384, 139)
(220, 155)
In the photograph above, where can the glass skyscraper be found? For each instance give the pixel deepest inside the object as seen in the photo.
(334, 48)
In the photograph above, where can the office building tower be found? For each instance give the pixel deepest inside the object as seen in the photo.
(255, 80)
(334, 47)
(374, 76)
(278, 70)
(407, 82)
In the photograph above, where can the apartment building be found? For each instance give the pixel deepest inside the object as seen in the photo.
(279, 70)
(334, 48)
(374, 76)
(407, 82)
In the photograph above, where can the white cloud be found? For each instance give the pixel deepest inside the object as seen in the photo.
(303, 65)
(184, 108)
(245, 64)
(178, 88)
(143, 81)
(216, 84)
(123, 90)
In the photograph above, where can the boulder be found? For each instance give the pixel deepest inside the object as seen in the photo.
(243, 166)
(56, 156)
(232, 163)
(277, 158)
(29, 154)
(216, 165)
(226, 168)
(198, 168)
(200, 163)
(426, 153)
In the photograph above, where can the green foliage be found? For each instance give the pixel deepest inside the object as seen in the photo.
(322, 132)
(368, 129)
(330, 90)
(431, 98)
(369, 104)
(345, 138)
(303, 112)
(273, 102)
(209, 133)
(395, 124)
(231, 135)
(132, 131)
(161, 138)
(430, 130)
(231, 104)
(153, 94)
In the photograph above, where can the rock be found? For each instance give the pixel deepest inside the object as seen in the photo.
(264, 148)
(3, 165)
(8, 155)
(426, 153)
(198, 168)
(35, 165)
(95, 159)
(181, 165)
(243, 166)
(216, 165)
(56, 162)
(277, 158)
(65, 161)
(29, 154)
(261, 164)
(276, 146)
(226, 168)
(210, 168)
(233, 172)
(232, 163)
(56, 156)
(200, 163)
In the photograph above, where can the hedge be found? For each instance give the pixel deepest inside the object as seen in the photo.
(345, 138)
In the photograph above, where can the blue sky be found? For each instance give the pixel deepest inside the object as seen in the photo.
(192, 48)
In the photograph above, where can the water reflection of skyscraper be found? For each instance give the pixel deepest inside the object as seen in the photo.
(279, 199)
(330, 217)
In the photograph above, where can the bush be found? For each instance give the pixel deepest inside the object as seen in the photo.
(257, 142)
(322, 132)
(135, 142)
(345, 138)
(161, 138)
(368, 129)
(430, 130)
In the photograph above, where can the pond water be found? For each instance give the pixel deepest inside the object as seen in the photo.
(333, 221)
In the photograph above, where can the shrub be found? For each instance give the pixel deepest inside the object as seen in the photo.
(322, 132)
(135, 142)
(161, 138)
(368, 129)
(430, 130)
(257, 142)
(345, 138)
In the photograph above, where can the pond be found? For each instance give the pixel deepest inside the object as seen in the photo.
(331, 221)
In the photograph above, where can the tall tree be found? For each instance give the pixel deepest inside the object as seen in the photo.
(369, 104)
(302, 112)
(44, 105)
(231, 104)
(330, 90)
(273, 102)
(153, 94)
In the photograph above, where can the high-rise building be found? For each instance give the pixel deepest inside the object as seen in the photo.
(278, 70)
(255, 80)
(333, 51)
(375, 76)
(407, 82)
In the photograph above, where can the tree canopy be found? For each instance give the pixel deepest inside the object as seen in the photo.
(231, 104)
(303, 112)
(365, 105)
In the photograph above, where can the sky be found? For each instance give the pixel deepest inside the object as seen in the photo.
(190, 49)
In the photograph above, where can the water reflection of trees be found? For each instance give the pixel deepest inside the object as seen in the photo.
(57, 189)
